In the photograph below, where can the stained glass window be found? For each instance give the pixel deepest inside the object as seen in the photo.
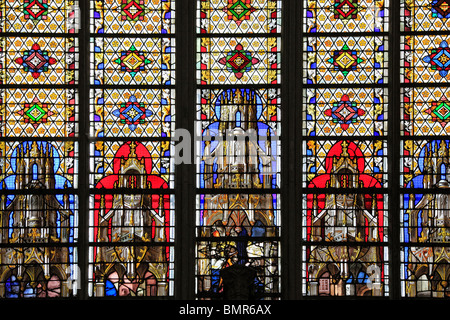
(132, 99)
(424, 149)
(320, 146)
(38, 149)
(238, 166)
(345, 215)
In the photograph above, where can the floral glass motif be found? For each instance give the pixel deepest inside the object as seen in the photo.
(439, 59)
(345, 112)
(239, 10)
(35, 61)
(239, 61)
(346, 9)
(424, 218)
(132, 10)
(425, 111)
(132, 113)
(132, 61)
(441, 9)
(345, 60)
(35, 113)
(35, 9)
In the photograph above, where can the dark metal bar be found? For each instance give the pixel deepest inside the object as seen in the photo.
(394, 151)
(83, 174)
(185, 173)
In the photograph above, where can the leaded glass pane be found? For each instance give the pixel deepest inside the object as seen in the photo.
(238, 60)
(425, 163)
(345, 112)
(238, 133)
(423, 271)
(425, 15)
(37, 61)
(132, 113)
(39, 113)
(346, 16)
(345, 164)
(425, 59)
(133, 16)
(39, 272)
(364, 271)
(132, 50)
(133, 61)
(39, 164)
(239, 146)
(239, 16)
(115, 275)
(425, 111)
(345, 60)
(39, 16)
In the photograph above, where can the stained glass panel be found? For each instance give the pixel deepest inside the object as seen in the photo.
(39, 16)
(132, 271)
(133, 61)
(423, 271)
(239, 146)
(345, 112)
(32, 60)
(49, 165)
(425, 163)
(342, 60)
(346, 217)
(132, 49)
(426, 59)
(348, 271)
(345, 164)
(132, 113)
(425, 111)
(238, 60)
(39, 113)
(28, 272)
(239, 16)
(133, 16)
(425, 15)
(346, 16)
(238, 130)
